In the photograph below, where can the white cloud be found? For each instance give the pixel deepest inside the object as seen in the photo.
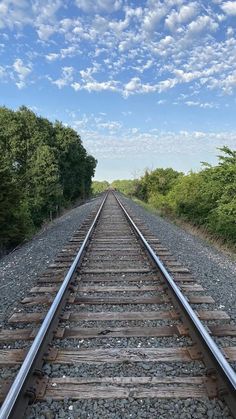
(21, 72)
(66, 25)
(20, 69)
(108, 140)
(164, 46)
(52, 56)
(96, 6)
(2, 72)
(64, 53)
(161, 102)
(112, 126)
(67, 77)
(135, 86)
(185, 13)
(94, 86)
(144, 67)
(40, 14)
(133, 45)
(69, 51)
(13, 13)
(134, 142)
(204, 105)
(230, 31)
(45, 10)
(201, 24)
(119, 26)
(76, 86)
(166, 84)
(45, 31)
(228, 84)
(87, 74)
(229, 7)
(151, 20)
(186, 77)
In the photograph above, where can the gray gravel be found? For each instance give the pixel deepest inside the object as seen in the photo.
(212, 268)
(19, 270)
(126, 369)
(130, 408)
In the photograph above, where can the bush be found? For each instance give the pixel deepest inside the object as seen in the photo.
(205, 199)
(99, 186)
(222, 221)
(127, 187)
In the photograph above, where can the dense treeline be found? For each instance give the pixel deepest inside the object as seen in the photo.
(206, 198)
(43, 167)
(126, 186)
(99, 186)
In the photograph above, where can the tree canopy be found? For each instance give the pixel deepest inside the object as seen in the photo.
(43, 166)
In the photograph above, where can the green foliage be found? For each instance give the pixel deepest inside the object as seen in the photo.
(205, 199)
(43, 166)
(75, 166)
(15, 222)
(222, 220)
(99, 186)
(159, 181)
(127, 187)
(46, 193)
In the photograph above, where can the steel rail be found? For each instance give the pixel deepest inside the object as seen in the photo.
(9, 406)
(220, 365)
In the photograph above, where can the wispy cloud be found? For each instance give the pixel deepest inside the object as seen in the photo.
(21, 72)
(65, 79)
(203, 105)
(108, 139)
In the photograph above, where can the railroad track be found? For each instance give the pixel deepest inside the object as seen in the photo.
(116, 318)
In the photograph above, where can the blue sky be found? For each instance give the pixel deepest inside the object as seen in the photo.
(145, 83)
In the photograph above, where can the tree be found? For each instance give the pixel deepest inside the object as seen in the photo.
(73, 163)
(43, 166)
(15, 220)
(99, 186)
(206, 198)
(45, 195)
(125, 186)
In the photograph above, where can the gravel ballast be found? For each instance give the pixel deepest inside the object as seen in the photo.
(213, 269)
(19, 270)
(130, 408)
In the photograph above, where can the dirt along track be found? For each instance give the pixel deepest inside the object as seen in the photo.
(121, 349)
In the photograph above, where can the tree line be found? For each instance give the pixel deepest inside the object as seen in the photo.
(206, 198)
(43, 167)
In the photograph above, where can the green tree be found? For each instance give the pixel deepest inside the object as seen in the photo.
(155, 185)
(125, 186)
(15, 220)
(43, 166)
(206, 198)
(45, 195)
(99, 186)
(74, 163)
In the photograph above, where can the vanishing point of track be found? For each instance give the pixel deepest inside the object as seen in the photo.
(110, 283)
